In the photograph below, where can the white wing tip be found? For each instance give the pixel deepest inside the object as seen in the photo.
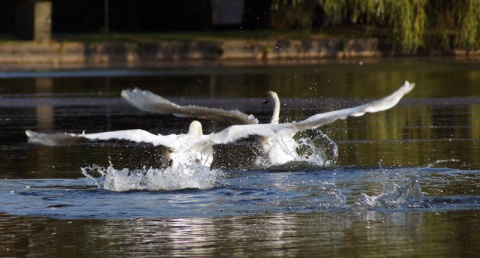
(409, 86)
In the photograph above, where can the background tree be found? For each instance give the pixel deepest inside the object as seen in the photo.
(413, 25)
(292, 14)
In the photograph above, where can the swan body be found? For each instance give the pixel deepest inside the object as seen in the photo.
(196, 148)
(280, 148)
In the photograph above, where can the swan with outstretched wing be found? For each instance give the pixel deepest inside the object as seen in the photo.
(197, 148)
(277, 149)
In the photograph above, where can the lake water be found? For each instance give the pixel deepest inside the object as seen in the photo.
(404, 182)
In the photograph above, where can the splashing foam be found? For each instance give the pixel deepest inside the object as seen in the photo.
(405, 196)
(153, 179)
(314, 148)
(317, 149)
(320, 149)
(442, 161)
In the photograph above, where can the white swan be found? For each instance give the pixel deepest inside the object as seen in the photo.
(196, 148)
(280, 148)
(277, 150)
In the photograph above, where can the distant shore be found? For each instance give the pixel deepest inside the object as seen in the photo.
(133, 52)
(70, 52)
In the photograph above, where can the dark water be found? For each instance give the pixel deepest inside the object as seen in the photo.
(405, 182)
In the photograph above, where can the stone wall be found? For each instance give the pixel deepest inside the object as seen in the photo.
(76, 52)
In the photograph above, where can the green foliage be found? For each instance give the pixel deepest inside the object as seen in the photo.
(468, 24)
(292, 14)
(282, 4)
(408, 22)
(368, 11)
(413, 25)
(335, 9)
(439, 26)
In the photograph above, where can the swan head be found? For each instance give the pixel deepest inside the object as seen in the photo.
(271, 97)
(195, 128)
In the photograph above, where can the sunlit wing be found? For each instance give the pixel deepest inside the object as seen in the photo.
(54, 139)
(148, 101)
(236, 132)
(371, 107)
(65, 139)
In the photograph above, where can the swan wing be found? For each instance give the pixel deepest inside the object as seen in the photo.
(237, 132)
(371, 107)
(148, 101)
(65, 139)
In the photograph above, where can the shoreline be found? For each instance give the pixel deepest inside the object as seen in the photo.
(134, 53)
(57, 52)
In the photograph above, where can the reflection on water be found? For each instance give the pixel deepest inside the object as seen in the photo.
(405, 182)
(372, 78)
(251, 211)
(329, 234)
(44, 114)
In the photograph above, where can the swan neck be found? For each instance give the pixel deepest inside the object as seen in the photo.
(276, 110)
(195, 128)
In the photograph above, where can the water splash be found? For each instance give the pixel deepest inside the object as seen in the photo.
(339, 199)
(441, 162)
(153, 179)
(314, 148)
(395, 196)
(319, 149)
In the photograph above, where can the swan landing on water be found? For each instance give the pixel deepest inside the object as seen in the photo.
(276, 149)
(196, 148)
